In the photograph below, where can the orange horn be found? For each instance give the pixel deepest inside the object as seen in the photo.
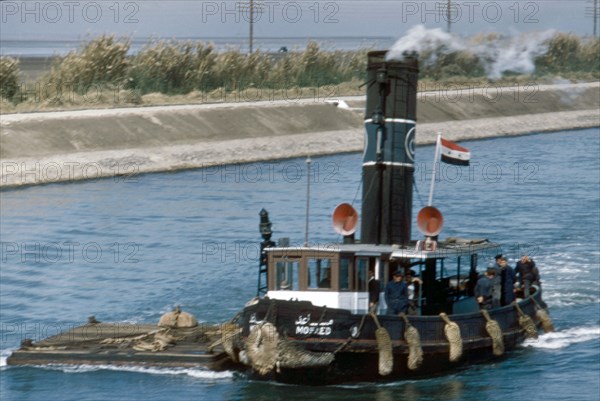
(430, 221)
(345, 219)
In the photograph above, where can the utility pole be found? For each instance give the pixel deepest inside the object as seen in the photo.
(448, 16)
(595, 17)
(592, 11)
(251, 26)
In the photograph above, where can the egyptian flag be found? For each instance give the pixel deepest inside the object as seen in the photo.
(454, 154)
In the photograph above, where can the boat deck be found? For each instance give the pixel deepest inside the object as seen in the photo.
(128, 344)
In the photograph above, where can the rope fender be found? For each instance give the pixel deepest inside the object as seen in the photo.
(267, 350)
(543, 317)
(384, 345)
(526, 323)
(412, 338)
(452, 332)
(495, 332)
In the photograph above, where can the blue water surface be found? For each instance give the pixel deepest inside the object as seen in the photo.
(128, 250)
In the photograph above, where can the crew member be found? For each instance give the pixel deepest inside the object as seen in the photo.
(485, 288)
(396, 294)
(527, 274)
(374, 289)
(497, 293)
(507, 278)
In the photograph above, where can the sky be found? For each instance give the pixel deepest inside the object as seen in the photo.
(76, 20)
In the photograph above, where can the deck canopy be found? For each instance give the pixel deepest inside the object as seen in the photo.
(336, 274)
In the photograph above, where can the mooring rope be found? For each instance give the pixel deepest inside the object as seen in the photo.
(384, 345)
(526, 323)
(412, 338)
(350, 338)
(229, 333)
(121, 340)
(542, 315)
(495, 332)
(452, 332)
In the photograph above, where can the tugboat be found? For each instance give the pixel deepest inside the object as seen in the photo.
(320, 316)
(312, 321)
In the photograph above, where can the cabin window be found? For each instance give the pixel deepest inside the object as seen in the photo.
(287, 272)
(319, 273)
(360, 277)
(345, 274)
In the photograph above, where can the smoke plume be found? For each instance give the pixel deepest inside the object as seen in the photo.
(497, 54)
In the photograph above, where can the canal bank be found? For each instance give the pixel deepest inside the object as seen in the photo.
(38, 148)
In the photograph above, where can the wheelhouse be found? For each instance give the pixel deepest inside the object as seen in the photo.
(337, 276)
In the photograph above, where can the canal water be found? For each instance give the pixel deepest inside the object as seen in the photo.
(129, 249)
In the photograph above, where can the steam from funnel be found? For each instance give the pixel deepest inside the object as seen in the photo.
(497, 54)
(422, 40)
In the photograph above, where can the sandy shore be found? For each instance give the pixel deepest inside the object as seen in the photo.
(66, 146)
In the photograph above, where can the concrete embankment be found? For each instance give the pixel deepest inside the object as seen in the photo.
(73, 145)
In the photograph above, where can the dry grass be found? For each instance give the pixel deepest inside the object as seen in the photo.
(9, 77)
(100, 61)
(101, 74)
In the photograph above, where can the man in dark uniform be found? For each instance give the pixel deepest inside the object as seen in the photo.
(507, 278)
(485, 288)
(374, 289)
(396, 294)
(527, 274)
(497, 293)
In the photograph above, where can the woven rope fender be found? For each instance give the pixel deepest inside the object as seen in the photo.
(526, 323)
(495, 332)
(290, 356)
(384, 345)
(543, 317)
(452, 332)
(412, 338)
(261, 346)
(177, 319)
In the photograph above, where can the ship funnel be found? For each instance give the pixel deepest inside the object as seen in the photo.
(345, 219)
(430, 221)
(388, 159)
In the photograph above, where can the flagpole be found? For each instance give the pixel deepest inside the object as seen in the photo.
(436, 159)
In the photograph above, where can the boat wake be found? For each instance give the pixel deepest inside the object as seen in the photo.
(4, 354)
(565, 338)
(198, 373)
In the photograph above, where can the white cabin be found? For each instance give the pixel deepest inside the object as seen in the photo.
(336, 276)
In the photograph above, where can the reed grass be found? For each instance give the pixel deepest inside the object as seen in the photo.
(9, 77)
(169, 72)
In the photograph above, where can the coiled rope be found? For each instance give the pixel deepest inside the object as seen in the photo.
(526, 323)
(542, 315)
(495, 332)
(384, 345)
(412, 338)
(452, 332)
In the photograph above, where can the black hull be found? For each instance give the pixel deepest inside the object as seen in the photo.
(353, 367)
(356, 359)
